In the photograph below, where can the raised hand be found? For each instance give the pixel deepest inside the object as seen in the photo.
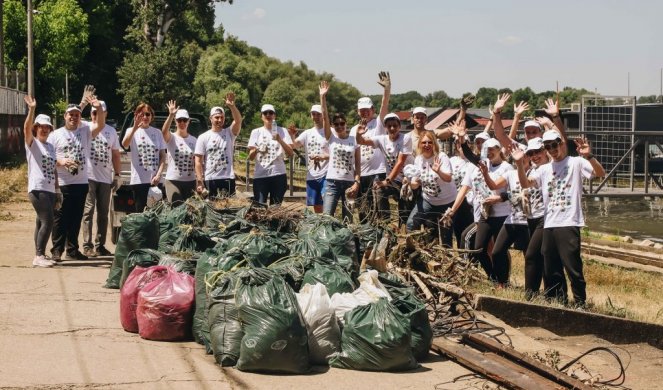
(172, 107)
(324, 87)
(551, 108)
(361, 129)
(30, 101)
(483, 168)
(544, 121)
(138, 119)
(93, 101)
(501, 102)
(88, 91)
(436, 166)
(520, 108)
(515, 151)
(385, 80)
(467, 101)
(582, 147)
(230, 99)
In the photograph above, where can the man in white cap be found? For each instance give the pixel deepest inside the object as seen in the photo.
(561, 181)
(72, 147)
(373, 166)
(103, 160)
(419, 121)
(317, 159)
(214, 151)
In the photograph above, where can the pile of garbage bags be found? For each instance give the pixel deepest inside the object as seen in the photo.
(264, 300)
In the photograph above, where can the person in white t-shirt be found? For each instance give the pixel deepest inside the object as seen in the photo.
(43, 187)
(180, 147)
(72, 144)
(396, 148)
(103, 160)
(373, 167)
(215, 150)
(267, 146)
(343, 171)
(317, 159)
(463, 217)
(148, 154)
(561, 181)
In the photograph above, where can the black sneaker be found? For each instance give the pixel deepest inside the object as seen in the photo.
(56, 256)
(76, 256)
(89, 252)
(102, 251)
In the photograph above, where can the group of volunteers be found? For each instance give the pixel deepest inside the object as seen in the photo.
(477, 196)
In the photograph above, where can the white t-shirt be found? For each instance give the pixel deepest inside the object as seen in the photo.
(75, 145)
(41, 166)
(217, 149)
(372, 159)
(536, 205)
(474, 180)
(100, 161)
(435, 190)
(180, 158)
(392, 149)
(269, 160)
(513, 188)
(342, 158)
(145, 147)
(314, 143)
(561, 184)
(459, 168)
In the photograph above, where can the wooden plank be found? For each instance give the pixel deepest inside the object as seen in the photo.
(526, 361)
(492, 366)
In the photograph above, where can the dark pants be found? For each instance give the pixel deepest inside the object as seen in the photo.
(178, 191)
(273, 187)
(67, 220)
(509, 234)
(463, 218)
(334, 192)
(43, 203)
(373, 203)
(140, 192)
(98, 197)
(405, 207)
(561, 252)
(220, 187)
(428, 215)
(534, 258)
(487, 229)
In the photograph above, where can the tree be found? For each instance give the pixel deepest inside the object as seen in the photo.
(440, 99)
(485, 97)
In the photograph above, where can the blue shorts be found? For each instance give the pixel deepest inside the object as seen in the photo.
(315, 189)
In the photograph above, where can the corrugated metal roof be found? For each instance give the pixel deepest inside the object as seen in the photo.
(404, 115)
(442, 118)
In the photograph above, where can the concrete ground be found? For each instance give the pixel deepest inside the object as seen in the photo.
(60, 329)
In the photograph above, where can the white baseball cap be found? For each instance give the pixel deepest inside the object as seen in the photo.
(316, 108)
(391, 116)
(73, 107)
(551, 135)
(103, 107)
(534, 144)
(182, 114)
(267, 107)
(364, 102)
(42, 119)
(483, 135)
(216, 110)
(419, 110)
(491, 143)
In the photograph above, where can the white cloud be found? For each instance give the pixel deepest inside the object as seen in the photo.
(337, 50)
(510, 40)
(257, 14)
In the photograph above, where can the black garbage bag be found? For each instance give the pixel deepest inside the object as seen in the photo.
(275, 338)
(330, 274)
(192, 239)
(376, 337)
(223, 318)
(139, 257)
(139, 231)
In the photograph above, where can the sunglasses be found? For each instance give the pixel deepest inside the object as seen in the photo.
(426, 142)
(147, 114)
(268, 113)
(551, 145)
(533, 152)
(339, 124)
(182, 120)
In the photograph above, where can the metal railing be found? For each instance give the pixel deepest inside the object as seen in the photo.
(244, 169)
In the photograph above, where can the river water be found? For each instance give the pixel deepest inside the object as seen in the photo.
(640, 219)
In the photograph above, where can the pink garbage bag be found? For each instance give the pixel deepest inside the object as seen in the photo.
(136, 280)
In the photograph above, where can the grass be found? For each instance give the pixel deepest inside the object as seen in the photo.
(13, 183)
(611, 290)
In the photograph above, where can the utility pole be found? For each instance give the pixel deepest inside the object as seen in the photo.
(31, 64)
(2, 43)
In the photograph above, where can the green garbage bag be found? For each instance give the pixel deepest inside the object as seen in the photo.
(139, 231)
(184, 262)
(139, 257)
(291, 269)
(192, 239)
(330, 274)
(206, 263)
(327, 230)
(275, 338)
(223, 318)
(259, 248)
(376, 337)
(307, 246)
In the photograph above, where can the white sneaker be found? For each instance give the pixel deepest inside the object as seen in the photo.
(40, 261)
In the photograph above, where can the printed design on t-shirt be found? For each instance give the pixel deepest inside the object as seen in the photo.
(216, 156)
(73, 149)
(391, 153)
(480, 188)
(48, 165)
(559, 191)
(313, 148)
(343, 158)
(367, 153)
(535, 199)
(183, 159)
(429, 182)
(458, 172)
(100, 152)
(516, 197)
(148, 154)
(269, 150)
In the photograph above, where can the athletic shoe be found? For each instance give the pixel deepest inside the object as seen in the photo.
(56, 256)
(102, 251)
(89, 252)
(39, 261)
(76, 256)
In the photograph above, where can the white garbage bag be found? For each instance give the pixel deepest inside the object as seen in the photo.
(153, 196)
(324, 334)
(370, 290)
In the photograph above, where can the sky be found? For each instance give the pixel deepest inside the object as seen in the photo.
(612, 47)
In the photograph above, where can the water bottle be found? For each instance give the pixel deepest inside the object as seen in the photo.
(274, 127)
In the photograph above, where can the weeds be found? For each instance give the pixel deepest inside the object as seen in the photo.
(13, 183)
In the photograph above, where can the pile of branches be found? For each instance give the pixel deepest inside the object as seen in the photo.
(284, 218)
